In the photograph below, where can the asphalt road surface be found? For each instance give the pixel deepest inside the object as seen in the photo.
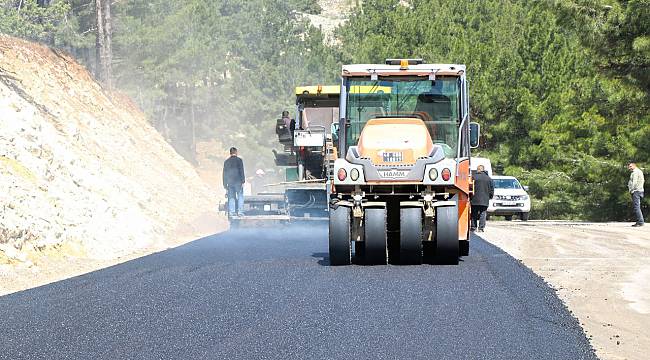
(271, 295)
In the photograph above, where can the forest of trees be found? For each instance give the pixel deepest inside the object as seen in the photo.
(561, 88)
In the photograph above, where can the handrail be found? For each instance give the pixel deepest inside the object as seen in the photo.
(342, 118)
(459, 144)
(465, 107)
(324, 129)
(297, 182)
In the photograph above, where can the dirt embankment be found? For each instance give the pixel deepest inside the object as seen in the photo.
(601, 271)
(334, 14)
(82, 172)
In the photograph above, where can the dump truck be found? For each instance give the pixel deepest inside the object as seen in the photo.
(305, 157)
(401, 179)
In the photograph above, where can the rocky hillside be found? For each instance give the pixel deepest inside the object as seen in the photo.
(334, 14)
(82, 166)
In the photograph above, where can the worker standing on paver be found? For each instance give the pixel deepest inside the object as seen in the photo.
(483, 192)
(635, 186)
(233, 182)
(286, 120)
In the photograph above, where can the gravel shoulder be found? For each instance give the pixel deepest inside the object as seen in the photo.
(601, 271)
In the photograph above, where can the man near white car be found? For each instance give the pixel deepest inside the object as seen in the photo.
(635, 186)
(483, 192)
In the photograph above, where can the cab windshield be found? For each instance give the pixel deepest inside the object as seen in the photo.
(437, 103)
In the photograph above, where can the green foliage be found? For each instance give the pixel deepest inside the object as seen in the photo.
(28, 20)
(618, 33)
(227, 66)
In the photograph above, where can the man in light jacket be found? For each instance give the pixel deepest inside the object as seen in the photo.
(635, 186)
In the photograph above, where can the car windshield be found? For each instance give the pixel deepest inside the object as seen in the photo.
(506, 184)
(434, 102)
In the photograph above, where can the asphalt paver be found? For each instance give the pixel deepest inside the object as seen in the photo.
(271, 294)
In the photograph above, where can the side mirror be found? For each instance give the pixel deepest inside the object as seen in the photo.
(474, 135)
(526, 188)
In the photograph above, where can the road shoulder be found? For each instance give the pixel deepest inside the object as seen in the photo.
(601, 272)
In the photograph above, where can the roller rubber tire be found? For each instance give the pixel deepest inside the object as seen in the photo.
(375, 237)
(524, 216)
(464, 248)
(447, 244)
(359, 249)
(410, 236)
(340, 246)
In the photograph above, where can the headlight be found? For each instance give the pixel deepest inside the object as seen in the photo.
(433, 174)
(354, 174)
(524, 197)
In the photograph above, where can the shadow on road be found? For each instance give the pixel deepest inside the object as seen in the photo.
(324, 258)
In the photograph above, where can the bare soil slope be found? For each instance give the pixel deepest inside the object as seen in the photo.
(81, 169)
(334, 14)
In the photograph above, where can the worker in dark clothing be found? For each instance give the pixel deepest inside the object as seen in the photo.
(233, 182)
(483, 192)
(286, 120)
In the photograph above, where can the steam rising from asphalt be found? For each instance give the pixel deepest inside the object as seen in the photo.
(300, 230)
(272, 242)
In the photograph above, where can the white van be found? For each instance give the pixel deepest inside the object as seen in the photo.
(510, 198)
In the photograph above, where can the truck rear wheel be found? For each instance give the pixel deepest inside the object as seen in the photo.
(447, 244)
(375, 238)
(410, 236)
(340, 246)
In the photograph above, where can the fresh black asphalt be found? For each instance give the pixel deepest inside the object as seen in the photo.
(270, 294)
